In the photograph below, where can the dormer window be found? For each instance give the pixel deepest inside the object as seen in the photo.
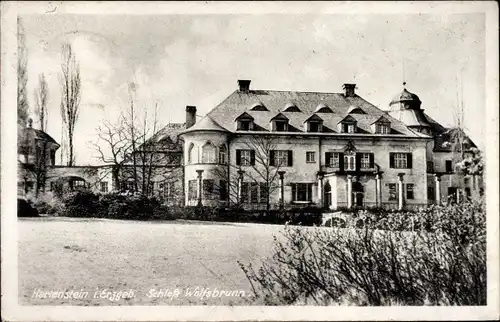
(259, 106)
(347, 125)
(244, 122)
(381, 126)
(314, 124)
(291, 107)
(323, 108)
(355, 110)
(279, 123)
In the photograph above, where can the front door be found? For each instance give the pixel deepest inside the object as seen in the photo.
(358, 199)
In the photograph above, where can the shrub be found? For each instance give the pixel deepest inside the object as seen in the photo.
(443, 266)
(25, 208)
(81, 203)
(48, 203)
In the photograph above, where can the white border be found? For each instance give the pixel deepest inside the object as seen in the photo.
(13, 312)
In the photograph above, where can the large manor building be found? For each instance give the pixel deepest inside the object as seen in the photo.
(265, 149)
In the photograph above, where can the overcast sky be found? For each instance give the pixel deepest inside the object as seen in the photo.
(180, 60)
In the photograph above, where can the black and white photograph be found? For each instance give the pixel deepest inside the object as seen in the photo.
(249, 160)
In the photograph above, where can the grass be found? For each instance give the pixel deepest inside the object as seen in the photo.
(65, 254)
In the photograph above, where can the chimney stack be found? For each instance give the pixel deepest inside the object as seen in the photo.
(244, 85)
(349, 90)
(190, 116)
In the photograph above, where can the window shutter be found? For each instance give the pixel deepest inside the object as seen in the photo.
(341, 161)
(294, 191)
(271, 158)
(328, 158)
(290, 158)
(358, 161)
(252, 157)
(391, 160)
(238, 157)
(372, 160)
(309, 191)
(409, 161)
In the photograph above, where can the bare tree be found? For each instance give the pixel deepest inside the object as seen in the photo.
(22, 76)
(261, 171)
(115, 139)
(70, 95)
(41, 95)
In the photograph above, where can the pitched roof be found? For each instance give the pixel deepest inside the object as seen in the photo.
(448, 141)
(238, 102)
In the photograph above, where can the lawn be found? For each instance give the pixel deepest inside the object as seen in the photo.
(100, 256)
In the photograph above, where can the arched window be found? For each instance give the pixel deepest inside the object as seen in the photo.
(208, 153)
(223, 154)
(191, 153)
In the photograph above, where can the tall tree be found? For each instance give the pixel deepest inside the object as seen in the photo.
(70, 95)
(22, 77)
(41, 95)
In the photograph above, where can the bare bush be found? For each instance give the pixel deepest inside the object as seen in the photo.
(443, 265)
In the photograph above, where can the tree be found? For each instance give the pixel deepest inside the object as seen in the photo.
(41, 95)
(22, 77)
(114, 137)
(70, 95)
(261, 174)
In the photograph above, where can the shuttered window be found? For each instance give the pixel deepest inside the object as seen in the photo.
(281, 158)
(400, 160)
(245, 157)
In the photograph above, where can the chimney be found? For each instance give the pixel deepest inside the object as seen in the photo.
(244, 85)
(190, 116)
(349, 90)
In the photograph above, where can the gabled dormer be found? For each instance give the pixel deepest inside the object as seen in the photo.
(244, 122)
(313, 124)
(291, 107)
(355, 110)
(381, 126)
(259, 106)
(347, 125)
(323, 108)
(279, 123)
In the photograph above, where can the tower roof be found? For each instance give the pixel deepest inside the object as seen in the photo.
(206, 124)
(405, 96)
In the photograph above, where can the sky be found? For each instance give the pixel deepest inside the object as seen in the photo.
(182, 59)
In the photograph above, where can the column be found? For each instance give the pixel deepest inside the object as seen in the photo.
(282, 188)
(400, 191)
(349, 191)
(438, 188)
(321, 203)
(240, 184)
(200, 187)
(378, 190)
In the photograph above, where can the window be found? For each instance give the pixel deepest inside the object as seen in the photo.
(348, 127)
(192, 189)
(449, 166)
(281, 126)
(78, 184)
(208, 189)
(365, 160)
(245, 157)
(263, 192)
(400, 160)
(430, 193)
(314, 126)
(208, 153)
(409, 191)
(279, 158)
(302, 192)
(191, 151)
(104, 187)
(244, 125)
(349, 162)
(223, 195)
(166, 190)
(467, 192)
(381, 128)
(393, 195)
(332, 159)
(151, 186)
(430, 166)
(466, 181)
(254, 192)
(310, 156)
(53, 157)
(222, 154)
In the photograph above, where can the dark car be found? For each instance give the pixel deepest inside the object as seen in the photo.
(25, 209)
